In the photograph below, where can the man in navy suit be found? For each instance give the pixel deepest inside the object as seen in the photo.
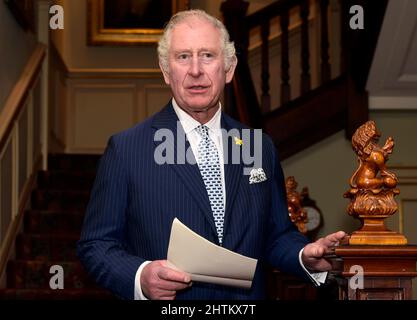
(136, 197)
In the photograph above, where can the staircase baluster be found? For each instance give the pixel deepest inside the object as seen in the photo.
(344, 22)
(305, 50)
(234, 12)
(325, 65)
(266, 98)
(285, 61)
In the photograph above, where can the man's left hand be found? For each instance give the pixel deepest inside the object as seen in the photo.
(313, 253)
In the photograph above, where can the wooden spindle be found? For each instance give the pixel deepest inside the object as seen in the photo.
(325, 65)
(344, 21)
(266, 98)
(234, 12)
(305, 50)
(285, 60)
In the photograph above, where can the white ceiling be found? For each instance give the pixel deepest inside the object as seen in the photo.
(392, 82)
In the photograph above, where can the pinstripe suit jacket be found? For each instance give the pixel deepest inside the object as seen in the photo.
(134, 201)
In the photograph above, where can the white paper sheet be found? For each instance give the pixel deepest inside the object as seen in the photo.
(206, 261)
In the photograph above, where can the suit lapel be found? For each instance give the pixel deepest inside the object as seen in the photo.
(232, 172)
(188, 173)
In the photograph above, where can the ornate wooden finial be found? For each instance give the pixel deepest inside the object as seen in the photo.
(372, 189)
(297, 213)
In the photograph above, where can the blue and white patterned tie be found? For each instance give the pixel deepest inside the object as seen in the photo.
(209, 165)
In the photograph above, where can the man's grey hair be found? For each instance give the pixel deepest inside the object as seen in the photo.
(227, 46)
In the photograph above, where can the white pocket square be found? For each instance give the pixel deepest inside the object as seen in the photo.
(257, 175)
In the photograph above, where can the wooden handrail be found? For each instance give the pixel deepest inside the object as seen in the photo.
(17, 97)
(18, 102)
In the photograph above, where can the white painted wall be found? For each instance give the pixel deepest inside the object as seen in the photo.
(72, 44)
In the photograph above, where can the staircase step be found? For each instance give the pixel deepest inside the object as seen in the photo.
(77, 162)
(49, 294)
(32, 274)
(53, 222)
(52, 228)
(66, 180)
(46, 247)
(60, 200)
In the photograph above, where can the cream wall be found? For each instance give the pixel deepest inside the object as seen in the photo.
(112, 87)
(16, 45)
(72, 44)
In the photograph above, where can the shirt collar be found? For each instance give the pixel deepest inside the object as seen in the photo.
(189, 123)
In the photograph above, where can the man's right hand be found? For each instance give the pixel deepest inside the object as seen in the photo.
(159, 281)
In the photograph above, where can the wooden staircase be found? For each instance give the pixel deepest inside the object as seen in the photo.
(338, 103)
(50, 232)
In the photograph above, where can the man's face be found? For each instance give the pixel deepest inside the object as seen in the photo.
(196, 72)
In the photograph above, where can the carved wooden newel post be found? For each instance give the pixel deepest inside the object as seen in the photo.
(377, 262)
(296, 211)
(372, 194)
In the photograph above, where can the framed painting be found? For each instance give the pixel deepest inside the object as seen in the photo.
(129, 22)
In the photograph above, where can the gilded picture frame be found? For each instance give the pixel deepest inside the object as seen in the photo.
(129, 22)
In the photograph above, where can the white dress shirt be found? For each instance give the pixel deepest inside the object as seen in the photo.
(189, 125)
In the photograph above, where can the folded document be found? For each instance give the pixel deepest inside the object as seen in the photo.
(207, 262)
